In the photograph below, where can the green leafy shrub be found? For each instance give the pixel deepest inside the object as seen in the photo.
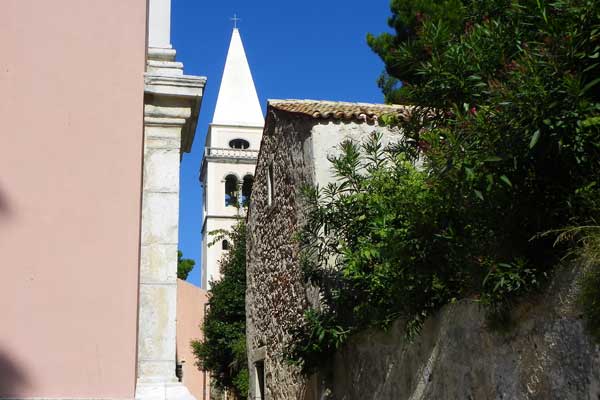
(316, 340)
(506, 97)
(502, 285)
(505, 125)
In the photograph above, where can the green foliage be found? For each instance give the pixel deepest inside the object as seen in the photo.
(374, 243)
(459, 47)
(315, 340)
(505, 130)
(223, 350)
(502, 285)
(506, 117)
(421, 27)
(184, 265)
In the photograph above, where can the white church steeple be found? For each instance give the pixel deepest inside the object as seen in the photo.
(230, 154)
(237, 103)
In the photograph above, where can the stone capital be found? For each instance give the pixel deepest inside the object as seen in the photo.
(174, 100)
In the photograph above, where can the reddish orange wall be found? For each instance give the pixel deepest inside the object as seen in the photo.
(71, 106)
(191, 301)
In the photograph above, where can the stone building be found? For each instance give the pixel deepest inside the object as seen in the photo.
(97, 115)
(297, 139)
(547, 354)
(232, 142)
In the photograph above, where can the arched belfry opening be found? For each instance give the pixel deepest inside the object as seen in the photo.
(242, 144)
(247, 189)
(231, 190)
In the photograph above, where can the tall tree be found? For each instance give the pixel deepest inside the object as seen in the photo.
(223, 350)
(507, 113)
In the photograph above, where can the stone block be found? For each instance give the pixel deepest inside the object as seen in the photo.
(160, 221)
(161, 137)
(152, 371)
(158, 305)
(161, 170)
(158, 263)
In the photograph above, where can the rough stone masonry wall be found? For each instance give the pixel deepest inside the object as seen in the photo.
(547, 355)
(275, 296)
(298, 149)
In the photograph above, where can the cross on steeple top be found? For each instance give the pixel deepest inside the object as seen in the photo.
(235, 20)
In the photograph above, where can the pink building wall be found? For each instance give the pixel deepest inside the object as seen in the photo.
(71, 106)
(191, 301)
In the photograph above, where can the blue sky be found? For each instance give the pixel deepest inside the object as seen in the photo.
(296, 50)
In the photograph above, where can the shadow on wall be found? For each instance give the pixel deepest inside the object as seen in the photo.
(5, 209)
(13, 379)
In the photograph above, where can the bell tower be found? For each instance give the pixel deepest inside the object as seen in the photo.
(230, 154)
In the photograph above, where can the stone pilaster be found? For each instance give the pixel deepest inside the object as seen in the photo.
(171, 106)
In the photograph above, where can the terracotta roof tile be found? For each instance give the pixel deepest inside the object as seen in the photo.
(320, 109)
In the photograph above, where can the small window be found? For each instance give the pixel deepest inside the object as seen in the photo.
(225, 245)
(247, 189)
(239, 144)
(270, 185)
(231, 190)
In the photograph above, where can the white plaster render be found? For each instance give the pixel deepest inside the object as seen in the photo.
(217, 214)
(215, 252)
(215, 186)
(326, 139)
(172, 103)
(159, 23)
(219, 136)
(237, 102)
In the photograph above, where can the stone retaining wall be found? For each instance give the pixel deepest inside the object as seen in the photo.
(546, 355)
